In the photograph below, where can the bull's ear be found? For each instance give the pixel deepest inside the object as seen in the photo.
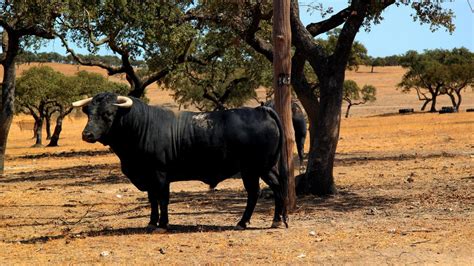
(123, 102)
(82, 102)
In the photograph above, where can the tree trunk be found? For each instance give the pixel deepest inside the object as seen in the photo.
(6, 118)
(372, 69)
(10, 46)
(48, 126)
(458, 104)
(35, 126)
(57, 131)
(319, 173)
(39, 133)
(427, 101)
(281, 82)
(59, 126)
(305, 93)
(433, 104)
(348, 109)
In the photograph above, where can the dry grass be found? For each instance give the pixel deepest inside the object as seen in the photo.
(405, 185)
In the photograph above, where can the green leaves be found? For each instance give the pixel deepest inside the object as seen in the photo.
(352, 92)
(358, 54)
(437, 72)
(45, 86)
(353, 95)
(223, 73)
(431, 12)
(38, 85)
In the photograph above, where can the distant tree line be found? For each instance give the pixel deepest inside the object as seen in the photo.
(27, 57)
(358, 57)
(391, 60)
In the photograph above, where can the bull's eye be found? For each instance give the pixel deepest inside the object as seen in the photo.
(108, 116)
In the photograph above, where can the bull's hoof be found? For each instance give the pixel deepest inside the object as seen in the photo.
(159, 230)
(241, 226)
(150, 228)
(153, 229)
(277, 224)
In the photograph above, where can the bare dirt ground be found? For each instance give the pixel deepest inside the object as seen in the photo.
(405, 184)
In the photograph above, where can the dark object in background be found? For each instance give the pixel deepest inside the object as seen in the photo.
(299, 125)
(447, 110)
(405, 110)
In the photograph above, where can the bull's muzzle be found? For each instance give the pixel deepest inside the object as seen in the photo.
(88, 137)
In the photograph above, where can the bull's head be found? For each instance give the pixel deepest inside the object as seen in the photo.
(101, 111)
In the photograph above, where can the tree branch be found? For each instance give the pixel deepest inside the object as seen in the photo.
(249, 33)
(183, 57)
(303, 40)
(359, 10)
(37, 31)
(219, 105)
(326, 25)
(232, 85)
(92, 38)
(110, 70)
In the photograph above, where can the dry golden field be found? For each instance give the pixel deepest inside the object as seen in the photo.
(405, 184)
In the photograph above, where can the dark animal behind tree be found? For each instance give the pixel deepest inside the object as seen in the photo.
(157, 146)
(299, 125)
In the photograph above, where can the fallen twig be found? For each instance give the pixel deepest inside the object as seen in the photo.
(420, 242)
(80, 219)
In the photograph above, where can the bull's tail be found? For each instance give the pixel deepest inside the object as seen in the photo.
(282, 167)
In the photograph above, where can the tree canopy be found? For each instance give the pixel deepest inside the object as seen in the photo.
(152, 31)
(354, 95)
(438, 72)
(228, 78)
(42, 91)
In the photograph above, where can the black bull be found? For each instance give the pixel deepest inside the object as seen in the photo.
(157, 146)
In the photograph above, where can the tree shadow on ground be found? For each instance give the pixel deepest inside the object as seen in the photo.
(172, 229)
(347, 201)
(65, 154)
(214, 204)
(219, 203)
(100, 173)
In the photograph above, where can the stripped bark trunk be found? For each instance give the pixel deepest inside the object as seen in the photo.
(281, 83)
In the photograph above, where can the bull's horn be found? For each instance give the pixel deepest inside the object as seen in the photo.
(81, 102)
(123, 102)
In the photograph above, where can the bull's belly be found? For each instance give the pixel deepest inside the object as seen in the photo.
(211, 175)
(142, 177)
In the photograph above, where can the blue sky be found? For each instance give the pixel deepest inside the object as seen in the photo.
(398, 33)
(395, 35)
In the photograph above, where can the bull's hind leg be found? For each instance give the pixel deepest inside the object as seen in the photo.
(251, 184)
(164, 197)
(271, 179)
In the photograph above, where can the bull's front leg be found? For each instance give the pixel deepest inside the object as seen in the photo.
(159, 194)
(154, 215)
